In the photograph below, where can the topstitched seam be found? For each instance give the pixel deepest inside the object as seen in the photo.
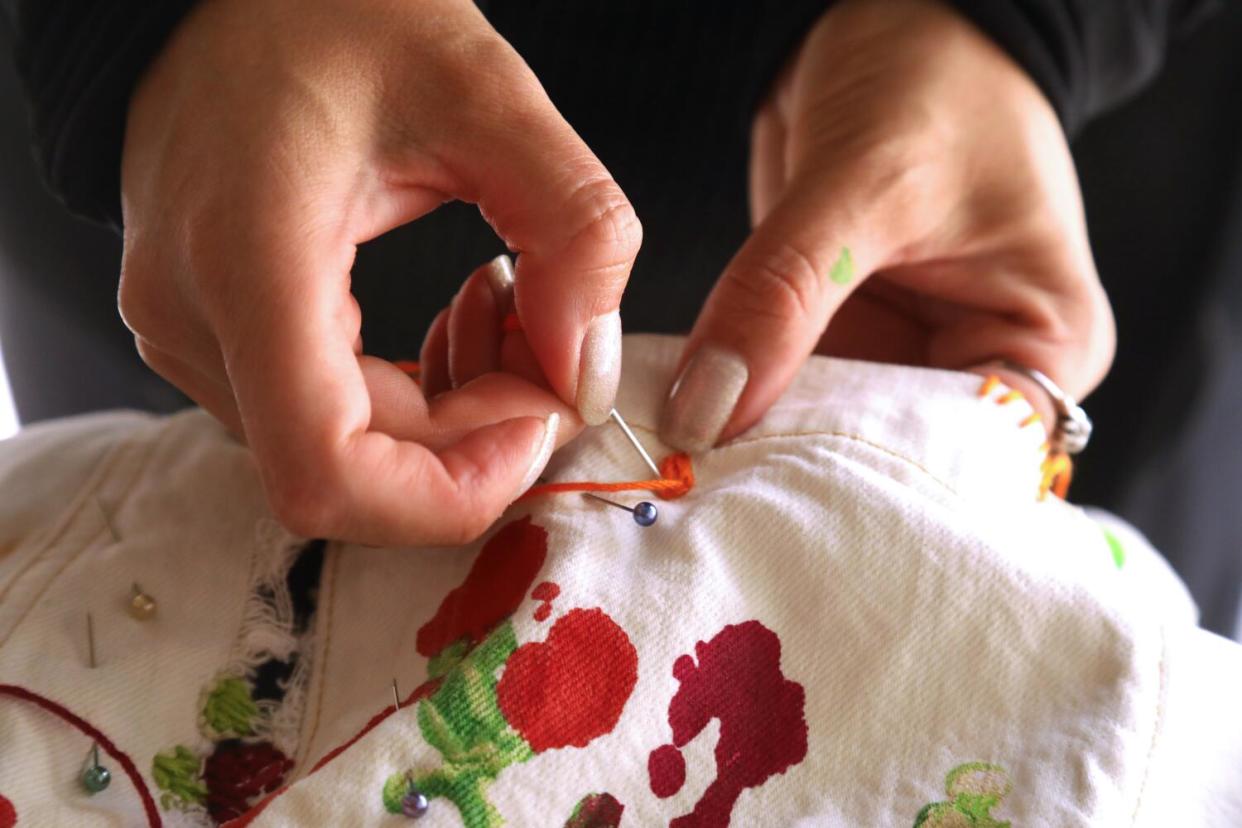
(98, 479)
(327, 588)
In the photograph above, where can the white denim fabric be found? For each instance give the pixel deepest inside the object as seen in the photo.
(880, 526)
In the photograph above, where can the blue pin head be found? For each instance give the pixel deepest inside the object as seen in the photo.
(645, 513)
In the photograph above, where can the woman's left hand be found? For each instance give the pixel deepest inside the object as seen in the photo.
(914, 202)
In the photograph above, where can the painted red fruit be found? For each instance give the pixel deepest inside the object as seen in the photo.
(571, 688)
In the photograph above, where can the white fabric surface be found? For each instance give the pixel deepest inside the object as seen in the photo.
(881, 522)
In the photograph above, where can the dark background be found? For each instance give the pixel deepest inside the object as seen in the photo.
(1161, 179)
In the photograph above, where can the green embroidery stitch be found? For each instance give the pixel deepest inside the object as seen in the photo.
(1114, 546)
(463, 721)
(974, 789)
(229, 710)
(448, 658)
(177, 774)
(843, 269)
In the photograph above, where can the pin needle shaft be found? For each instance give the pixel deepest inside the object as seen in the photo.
(606, 500)
(90, 639)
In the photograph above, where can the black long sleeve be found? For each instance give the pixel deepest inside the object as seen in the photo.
(1086, 55)
(80, 62)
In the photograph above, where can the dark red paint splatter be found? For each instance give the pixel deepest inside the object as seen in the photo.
(238, 774)
(492, 591)
(601, 810)
(8, 813)
(545, 592)
(571, 688)
(667, 769)
(421, 692)
(738, 680)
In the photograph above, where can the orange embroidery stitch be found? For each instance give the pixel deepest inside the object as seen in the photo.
(1056, 468)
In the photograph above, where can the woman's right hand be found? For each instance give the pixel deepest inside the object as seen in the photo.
(264, 144)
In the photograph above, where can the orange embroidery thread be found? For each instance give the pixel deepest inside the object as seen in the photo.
(410, 367)
(676, 470)
(511, 323)
(1056, 469)
(1011, 396)
(676, 479)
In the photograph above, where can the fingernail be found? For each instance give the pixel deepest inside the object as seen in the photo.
(703, 399)
(543, 455)
(500, 279)
(599, 368)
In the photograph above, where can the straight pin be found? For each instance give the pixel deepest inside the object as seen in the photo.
(95, 777)
(644, 513)
(90, 640)
(396, 697)
(629, 435)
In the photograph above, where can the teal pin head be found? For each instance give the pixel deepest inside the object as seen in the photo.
(95, 777)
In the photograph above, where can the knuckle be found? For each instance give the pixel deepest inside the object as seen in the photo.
(469, 507)
(305, 504)
(505, 91)
(472, 519)
(784, 284)
(148, 352)
(607, 220)
(134, 299)
(468, 530)
(156, 359)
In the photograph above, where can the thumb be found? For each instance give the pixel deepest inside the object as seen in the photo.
(766, 315)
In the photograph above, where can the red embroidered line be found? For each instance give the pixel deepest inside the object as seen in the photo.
(105, 744)
(422, 691)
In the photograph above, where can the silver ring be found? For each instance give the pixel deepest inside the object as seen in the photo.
(1073, 427)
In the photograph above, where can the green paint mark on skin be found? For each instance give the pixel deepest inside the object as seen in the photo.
(843, 268)
(1114, 545)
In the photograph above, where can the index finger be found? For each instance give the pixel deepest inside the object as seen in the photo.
(307, 414)
(575, 233)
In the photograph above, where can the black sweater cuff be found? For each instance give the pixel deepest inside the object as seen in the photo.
(80, 67)
(1086, 55)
